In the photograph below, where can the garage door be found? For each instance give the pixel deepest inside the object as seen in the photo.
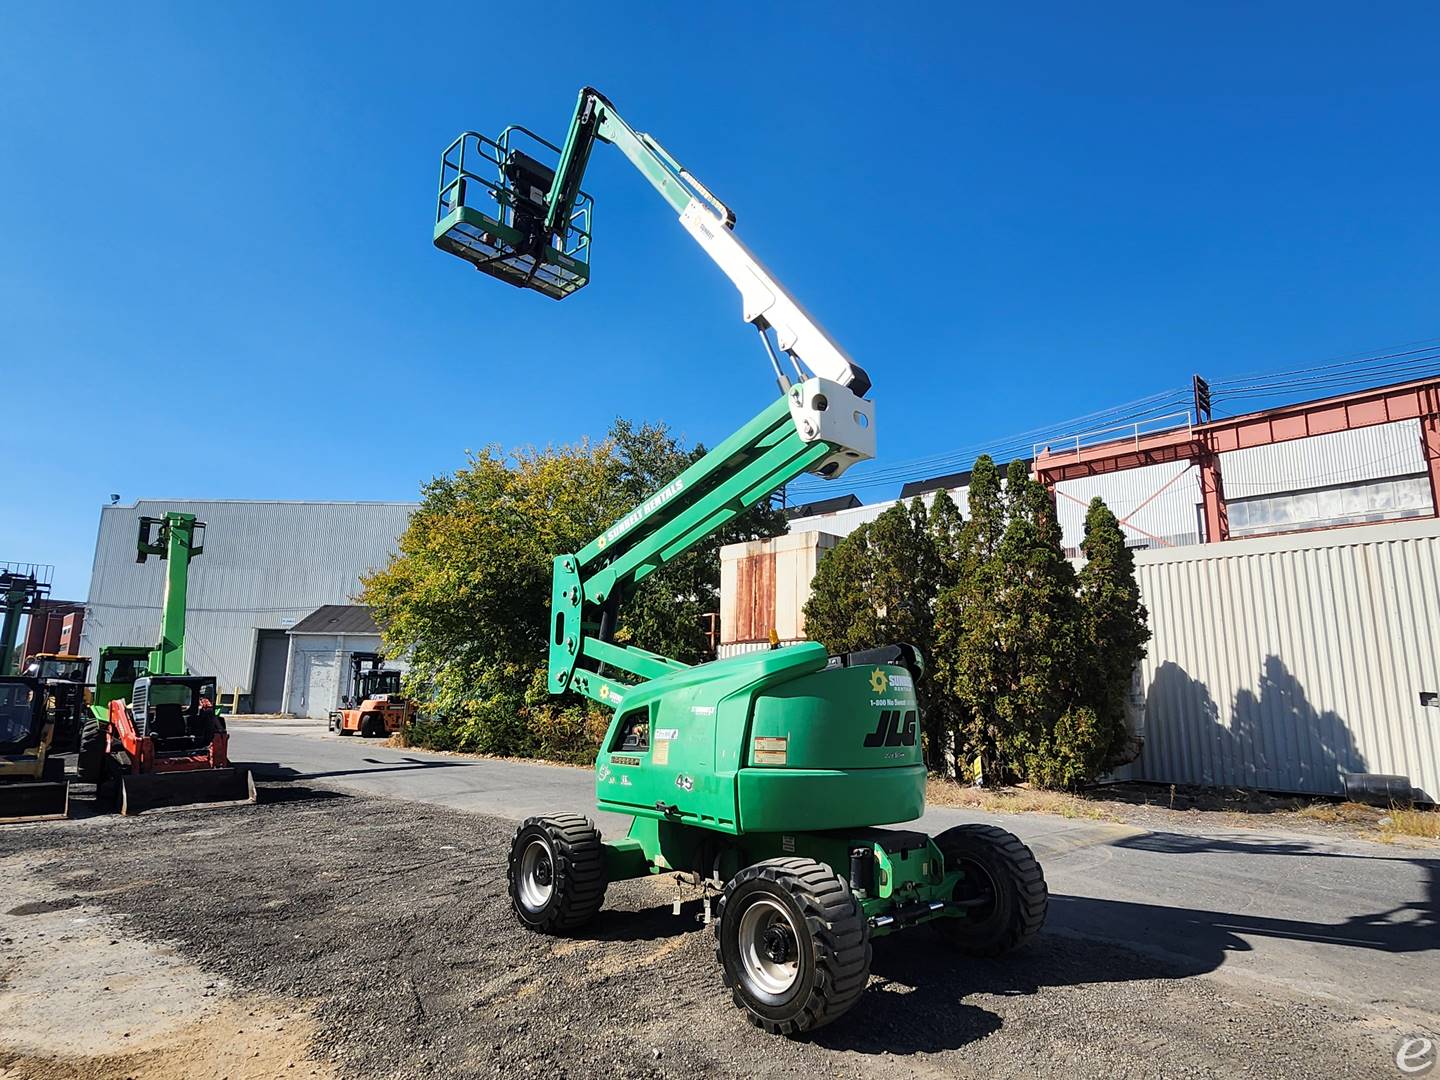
(268, 686)
(317, 690)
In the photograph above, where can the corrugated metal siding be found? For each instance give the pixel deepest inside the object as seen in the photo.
(1158, 500)
(1342, 457)
(842, 522)
(1284, 662)
(1170, 515)
(265, 565)
(740, 648)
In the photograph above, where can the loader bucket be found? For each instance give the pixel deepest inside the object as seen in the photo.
(40, 800)
(209, 787)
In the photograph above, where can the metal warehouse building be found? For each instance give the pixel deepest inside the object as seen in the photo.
(265, 568)
(1288, 652)
(1360, 476)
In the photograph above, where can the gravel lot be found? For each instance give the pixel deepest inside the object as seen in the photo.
(330, 934)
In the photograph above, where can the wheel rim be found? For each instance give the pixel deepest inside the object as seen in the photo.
(769, 947)
(978, 884)
(537, 875)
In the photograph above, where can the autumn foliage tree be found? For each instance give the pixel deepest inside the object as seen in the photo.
(466, 599)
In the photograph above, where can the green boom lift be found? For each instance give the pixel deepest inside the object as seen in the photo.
(157, 732)
(177, 539)
(764, 776)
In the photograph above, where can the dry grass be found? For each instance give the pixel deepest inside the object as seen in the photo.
(1014, 800)
(1152, 808)
(1421, 823)
(1345, 813)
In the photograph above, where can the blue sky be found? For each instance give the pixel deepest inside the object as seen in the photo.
(216, 277)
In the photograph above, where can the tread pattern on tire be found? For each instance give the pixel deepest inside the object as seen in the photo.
(578, 867)
(1031, 892)
(837, 928)
(90, 758)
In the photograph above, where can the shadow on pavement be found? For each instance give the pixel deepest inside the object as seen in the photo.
(271, 794)
(1413, 926)
(268, 771)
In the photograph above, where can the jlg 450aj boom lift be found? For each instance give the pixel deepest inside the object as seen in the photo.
(166, 745)
(766, 775)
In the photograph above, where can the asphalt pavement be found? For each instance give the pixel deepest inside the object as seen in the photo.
(1351, 921)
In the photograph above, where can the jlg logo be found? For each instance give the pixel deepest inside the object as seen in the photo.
(890, 732)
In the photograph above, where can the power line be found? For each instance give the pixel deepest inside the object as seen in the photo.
(1413, 360)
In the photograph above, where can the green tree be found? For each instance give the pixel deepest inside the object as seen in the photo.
(877, 587)
(665, 612)
(840, 614)
(1038, 624)
(969, 663)
(466, 600)
(1114, 629)
(947, 537)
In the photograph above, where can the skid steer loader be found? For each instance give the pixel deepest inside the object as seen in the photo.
(164, 744)
(768, 777)
(168, 747)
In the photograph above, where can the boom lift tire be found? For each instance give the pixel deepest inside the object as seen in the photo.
(90, 762)
(793, 944)
(557, 872)
(998, 868)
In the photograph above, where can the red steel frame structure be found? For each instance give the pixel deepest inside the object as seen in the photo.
(1202, 444)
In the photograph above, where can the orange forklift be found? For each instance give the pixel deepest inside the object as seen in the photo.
(374, 707)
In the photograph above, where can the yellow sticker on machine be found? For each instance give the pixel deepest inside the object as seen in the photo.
(661, 754)
(770, 750)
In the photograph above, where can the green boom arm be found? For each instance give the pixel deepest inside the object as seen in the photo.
(176, 538)
(821, 423)
(589, 586)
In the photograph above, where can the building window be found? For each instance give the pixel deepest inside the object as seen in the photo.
(1343, 504)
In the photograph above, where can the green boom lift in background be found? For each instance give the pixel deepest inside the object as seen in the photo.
(764, 776)
(177, 539)
(157, 734)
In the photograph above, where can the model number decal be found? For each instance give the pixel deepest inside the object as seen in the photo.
(890, 731)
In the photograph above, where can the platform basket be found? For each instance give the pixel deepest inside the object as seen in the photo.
(476, 212)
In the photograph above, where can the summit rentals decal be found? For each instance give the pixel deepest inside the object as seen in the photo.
(640, 513)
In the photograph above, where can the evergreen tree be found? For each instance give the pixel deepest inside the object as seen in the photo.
(1037, 615)
(1113, 629)
(969, 662)
(947, 529)
(1028, 664)
(839, 613)
(877, 587)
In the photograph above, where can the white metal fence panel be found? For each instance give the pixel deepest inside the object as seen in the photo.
(1285, 662)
